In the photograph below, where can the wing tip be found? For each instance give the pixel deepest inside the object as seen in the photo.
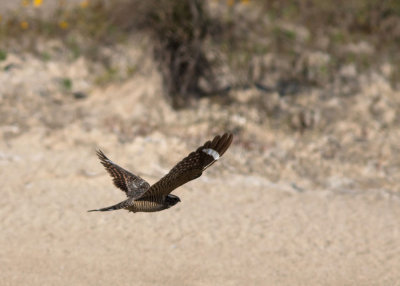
(103, 158)
(100, 153)
(223, 143)
(217, 147)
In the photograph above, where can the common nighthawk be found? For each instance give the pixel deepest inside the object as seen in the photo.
(145, 198)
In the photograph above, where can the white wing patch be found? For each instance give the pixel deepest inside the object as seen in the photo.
(211, 152)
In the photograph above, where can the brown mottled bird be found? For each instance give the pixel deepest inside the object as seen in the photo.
(145, 198)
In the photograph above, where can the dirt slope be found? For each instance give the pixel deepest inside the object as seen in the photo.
(269, 213)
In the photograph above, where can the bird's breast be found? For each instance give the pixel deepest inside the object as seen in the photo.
(148, 205)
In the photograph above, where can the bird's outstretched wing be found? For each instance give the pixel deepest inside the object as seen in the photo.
(192, 166)
(132, 185)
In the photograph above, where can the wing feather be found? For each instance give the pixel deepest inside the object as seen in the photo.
(134, 186)
(191, 167)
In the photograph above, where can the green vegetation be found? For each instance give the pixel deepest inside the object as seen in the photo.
(66, 83)
(194, 38)
(3, 55)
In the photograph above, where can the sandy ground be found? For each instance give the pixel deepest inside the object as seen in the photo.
(230, 229)
(269, 213)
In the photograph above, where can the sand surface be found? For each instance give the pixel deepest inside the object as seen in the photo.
(268, 213)
(230, 229)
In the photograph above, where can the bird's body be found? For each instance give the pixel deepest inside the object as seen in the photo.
(145, 198)
(151, 204)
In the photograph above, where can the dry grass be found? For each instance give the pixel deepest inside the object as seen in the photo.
(205, 47)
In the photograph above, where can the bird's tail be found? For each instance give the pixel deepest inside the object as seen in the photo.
(118, 206)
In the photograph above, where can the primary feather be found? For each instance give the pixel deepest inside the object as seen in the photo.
(192, 166)
(132, 185)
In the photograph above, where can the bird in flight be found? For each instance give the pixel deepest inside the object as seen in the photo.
(145, 198)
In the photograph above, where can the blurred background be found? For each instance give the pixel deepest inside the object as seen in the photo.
(307, 194)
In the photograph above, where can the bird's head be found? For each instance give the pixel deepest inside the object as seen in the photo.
(172, 200)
